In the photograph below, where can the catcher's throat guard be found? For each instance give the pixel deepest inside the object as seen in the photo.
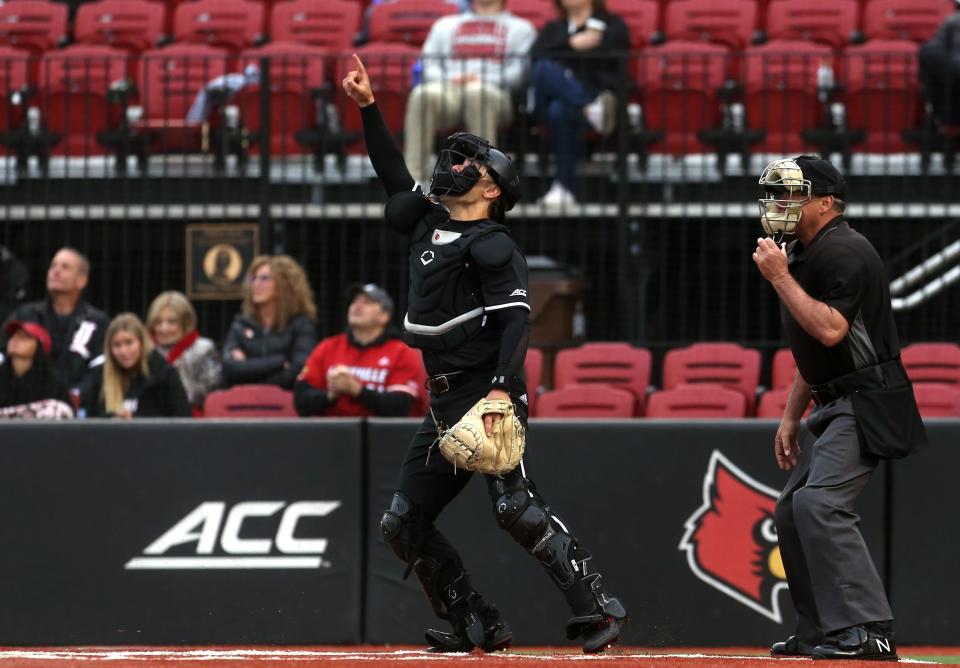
(475, 151)
(785, 191)
(467, 446)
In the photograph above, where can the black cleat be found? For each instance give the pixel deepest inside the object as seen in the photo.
(599, 635)
(486, 629)
(792, 646)
(860, 643)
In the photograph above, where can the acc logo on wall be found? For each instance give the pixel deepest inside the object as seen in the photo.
(731, 540)
(192, 542)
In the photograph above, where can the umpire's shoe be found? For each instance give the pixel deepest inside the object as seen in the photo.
(792, 646)
(870, 642)
(484, 628)
(600, 627)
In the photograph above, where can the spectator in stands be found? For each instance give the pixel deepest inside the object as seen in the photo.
(76, 328)
(576, 70)
(940, 70)
(269, 342)
(366, 370)
(29, 386)
(134, 379)
(471, 64)
(172, 323)
(13, 282)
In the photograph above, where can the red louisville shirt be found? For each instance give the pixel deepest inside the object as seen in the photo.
(390, 366)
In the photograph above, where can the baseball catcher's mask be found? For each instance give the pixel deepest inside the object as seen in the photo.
(476, 151)
(785, 192)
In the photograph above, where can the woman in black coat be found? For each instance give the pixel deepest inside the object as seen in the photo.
(29, 385)
(134, 380)
(269, 342)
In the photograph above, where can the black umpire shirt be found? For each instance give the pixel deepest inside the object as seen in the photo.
(842, 269)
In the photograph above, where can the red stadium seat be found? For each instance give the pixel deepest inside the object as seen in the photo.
(260, 401)
(882, 93)
(406, 21)
(74, 86)
(331, 24)
(774, 402)
(14, 73)
(678, 83)
(783, 370)
(34, 26)
(697, 401)
(612, 364)
(538, 12)
(781, 92)
(932, 362)
(170, 78)
(297, 72)
(641, 16)
(829, 22)
(937, 399)
(533, 367)
(913, 20)
(390, 68)
(134, 27)
(229, 24)
(729, 23)
(725, 364)
(586, 401)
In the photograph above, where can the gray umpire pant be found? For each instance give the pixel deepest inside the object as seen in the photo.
(833, 581)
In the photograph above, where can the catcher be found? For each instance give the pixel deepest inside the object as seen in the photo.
(468, 313)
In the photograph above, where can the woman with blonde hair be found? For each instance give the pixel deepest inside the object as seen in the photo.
(269, 342)
(134, 379)
(172, 323)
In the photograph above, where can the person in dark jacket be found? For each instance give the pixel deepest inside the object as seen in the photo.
(134, 379)
(76, 328)
(13, 282)
(29, 386)
(576, 70)
(269, 342)
(940, 70)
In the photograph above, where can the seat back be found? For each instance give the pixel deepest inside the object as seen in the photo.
(74, 83)
(170, 78)
(937, 399)
(678, 83)
(774, 402)
(538, 12)
(725, 364)
(882, 92)
(913, 20)
(33, 25)
(406, 21)
(14, 76)
(330, 24)
(297, 71)
(229, 24)
(586, 401)
(783, 370)
(729, 23)
(260, 401)
(134, 27)
(533, 368)
(390, 68)
(697, 401)
(612, 364)
(932, 362)
(641, 16)
(828, 22)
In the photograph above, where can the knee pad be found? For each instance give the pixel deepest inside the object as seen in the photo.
(523, 517)
(400, 527)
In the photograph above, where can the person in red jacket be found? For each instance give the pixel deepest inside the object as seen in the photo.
(364, 371)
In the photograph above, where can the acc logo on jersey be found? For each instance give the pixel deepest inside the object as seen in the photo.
(731, 540)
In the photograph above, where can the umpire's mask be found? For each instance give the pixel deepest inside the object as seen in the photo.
(785, 192)
(462, 147)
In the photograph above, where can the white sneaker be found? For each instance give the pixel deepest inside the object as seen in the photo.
(557, 196)
(601, 113)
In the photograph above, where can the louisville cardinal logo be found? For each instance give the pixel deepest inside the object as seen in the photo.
(731, 540)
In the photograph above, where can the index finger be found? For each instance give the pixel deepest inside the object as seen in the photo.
(363, 70)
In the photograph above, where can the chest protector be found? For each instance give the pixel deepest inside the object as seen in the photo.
(445, 306)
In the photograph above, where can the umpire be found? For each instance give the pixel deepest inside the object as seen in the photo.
(468, 313)
(835, 309)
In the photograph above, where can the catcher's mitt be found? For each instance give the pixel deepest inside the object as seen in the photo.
(467, 446)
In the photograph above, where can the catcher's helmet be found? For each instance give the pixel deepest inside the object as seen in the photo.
(464, 146)
(788, 184)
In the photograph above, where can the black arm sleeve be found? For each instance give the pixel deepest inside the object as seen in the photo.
(386, 404)
(513, 345)
(384, 153)
(251, 370)
(308, 400)
(176, 397)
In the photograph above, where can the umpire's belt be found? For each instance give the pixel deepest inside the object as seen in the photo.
(877, 377)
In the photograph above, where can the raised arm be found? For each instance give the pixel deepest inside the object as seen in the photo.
(386, 156)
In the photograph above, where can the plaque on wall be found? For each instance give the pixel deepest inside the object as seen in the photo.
(218, 257)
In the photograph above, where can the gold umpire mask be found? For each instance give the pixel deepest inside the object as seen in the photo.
(785, 192)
